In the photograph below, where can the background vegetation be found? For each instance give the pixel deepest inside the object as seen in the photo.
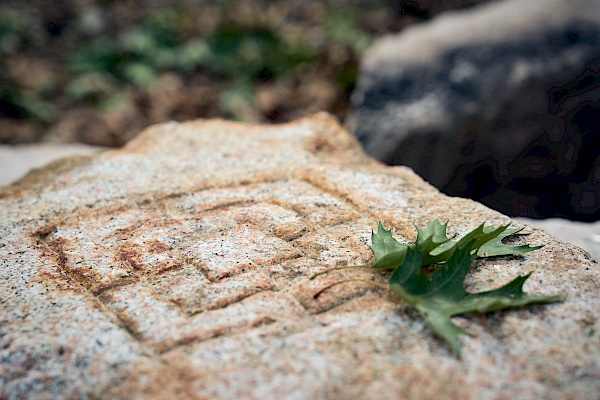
(99, 71)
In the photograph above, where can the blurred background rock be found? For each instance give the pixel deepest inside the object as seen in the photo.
(502, 108)
(499, 103)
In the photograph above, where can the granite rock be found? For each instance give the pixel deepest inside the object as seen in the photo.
(498, 103)
(582, 234)
(179, 266)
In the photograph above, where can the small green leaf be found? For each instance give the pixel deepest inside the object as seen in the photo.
(438, 245)
(440, 294)
(387, 250)
(497, 248)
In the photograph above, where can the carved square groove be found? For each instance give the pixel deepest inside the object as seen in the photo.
(186, 269)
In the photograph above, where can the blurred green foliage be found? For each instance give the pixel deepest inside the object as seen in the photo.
(105, 71)
(234, 52)
(13, 32)
(342, 27)
(26, 103)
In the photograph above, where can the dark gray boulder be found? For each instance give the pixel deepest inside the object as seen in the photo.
(499, 103)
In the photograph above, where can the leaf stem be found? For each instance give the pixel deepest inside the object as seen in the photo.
(337, 269)
(379, 285)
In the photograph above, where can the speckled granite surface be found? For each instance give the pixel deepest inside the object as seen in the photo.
(583, 234)
(178, 267)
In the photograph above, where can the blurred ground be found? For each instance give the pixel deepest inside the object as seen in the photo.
(97, 72)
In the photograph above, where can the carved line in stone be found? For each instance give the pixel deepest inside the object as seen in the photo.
(41, 241)
(161, 206)
(61, 258)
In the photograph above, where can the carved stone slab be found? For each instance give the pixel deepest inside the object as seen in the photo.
(179, 266)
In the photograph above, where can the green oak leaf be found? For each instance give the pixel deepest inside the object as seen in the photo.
(440, 294)
(495, 247)
(387, 250)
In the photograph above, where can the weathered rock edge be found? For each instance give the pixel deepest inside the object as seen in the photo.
(178, 266)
